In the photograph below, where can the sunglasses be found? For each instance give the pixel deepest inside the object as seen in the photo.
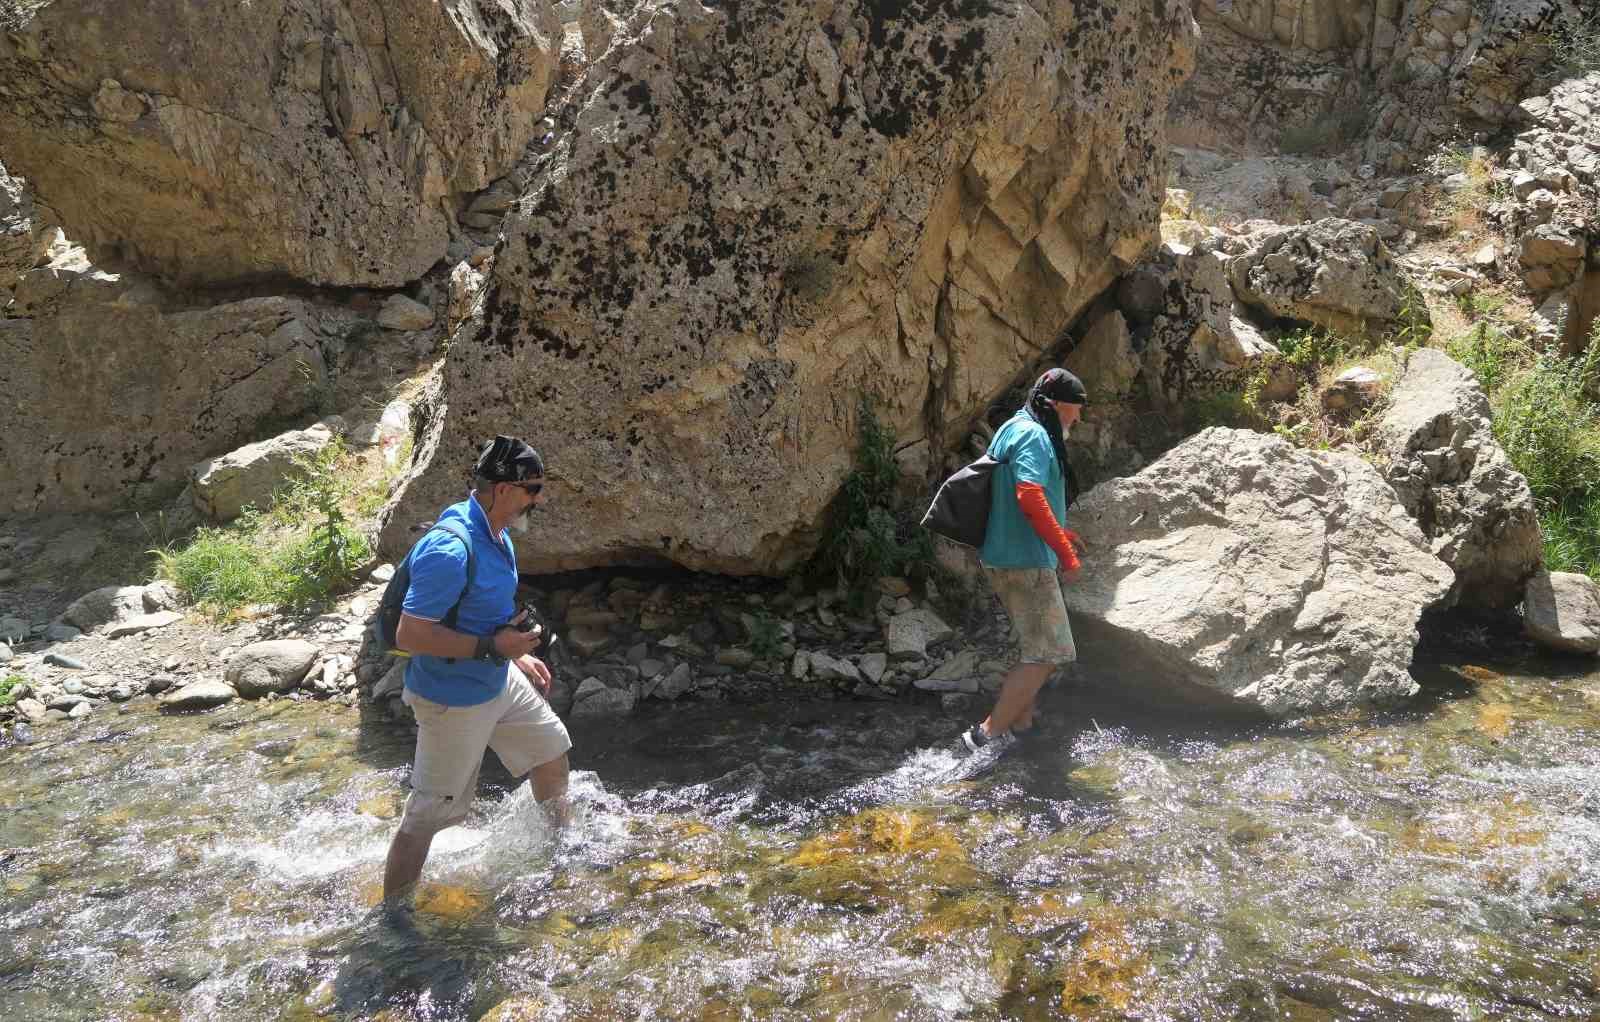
(531, 489)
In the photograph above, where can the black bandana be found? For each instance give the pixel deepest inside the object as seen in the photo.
(1057, 385)
(508, 460)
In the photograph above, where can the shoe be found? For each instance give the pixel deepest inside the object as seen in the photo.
(974, 740)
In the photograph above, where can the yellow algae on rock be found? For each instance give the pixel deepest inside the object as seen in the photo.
(881, 854)
(1104, 970)
(1494, 719)
(383, 807)
(656, 876)
(451, 901)
(521, 1008)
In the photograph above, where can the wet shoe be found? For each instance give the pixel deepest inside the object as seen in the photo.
(974, 740)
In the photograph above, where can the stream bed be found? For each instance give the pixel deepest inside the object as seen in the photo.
(826, 861)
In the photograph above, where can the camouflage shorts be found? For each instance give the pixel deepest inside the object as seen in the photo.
(1032, 598)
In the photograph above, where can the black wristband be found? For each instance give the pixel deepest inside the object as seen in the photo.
(485, 648)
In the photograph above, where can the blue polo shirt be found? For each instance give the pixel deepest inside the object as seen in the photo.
(438, 574)
(1023, 447)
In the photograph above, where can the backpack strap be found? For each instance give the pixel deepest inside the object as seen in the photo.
(449, 619)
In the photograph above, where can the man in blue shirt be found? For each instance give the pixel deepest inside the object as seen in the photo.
(477, 684)
(1027, 551)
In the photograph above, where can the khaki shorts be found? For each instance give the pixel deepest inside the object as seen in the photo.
(518, 725)
(1032, 598)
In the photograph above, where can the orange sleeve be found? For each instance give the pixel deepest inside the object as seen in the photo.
(1036, 509)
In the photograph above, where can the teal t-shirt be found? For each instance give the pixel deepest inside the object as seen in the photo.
(1023, 448)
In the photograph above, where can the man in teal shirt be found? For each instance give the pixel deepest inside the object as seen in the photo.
(1027, 551)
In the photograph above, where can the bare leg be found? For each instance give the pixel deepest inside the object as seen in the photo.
(549, 782)
(1017, 692)
(403, 868)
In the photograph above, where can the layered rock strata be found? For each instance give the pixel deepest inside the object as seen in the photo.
(325, 142)
(1402, 76)
(755, 215)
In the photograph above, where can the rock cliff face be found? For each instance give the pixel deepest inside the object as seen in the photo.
(1404, 74)
(325, 142)
(755, 214)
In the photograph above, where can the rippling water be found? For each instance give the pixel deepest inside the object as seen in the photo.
(826, 861)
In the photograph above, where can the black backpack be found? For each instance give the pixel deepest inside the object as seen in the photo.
(394, 595)
(960, 510)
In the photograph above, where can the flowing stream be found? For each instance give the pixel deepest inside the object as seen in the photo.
(826, 861)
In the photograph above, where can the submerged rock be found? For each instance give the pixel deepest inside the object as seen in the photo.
(1237, 571)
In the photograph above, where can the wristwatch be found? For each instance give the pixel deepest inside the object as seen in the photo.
(485, 648)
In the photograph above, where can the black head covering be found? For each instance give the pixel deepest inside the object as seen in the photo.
(506, 459)
(1057, 385)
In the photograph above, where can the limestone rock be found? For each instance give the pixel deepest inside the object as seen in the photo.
(1201, 339)
(676, 684)
(402, 313)
(1105, 359)
(23, 238)
(1562, 610)
(222, 487)
(274, 138)
(594, 700)
(274, 665)
(1356, 387)
(940, 190)
(1331, 273)
(909, 635)
(198, 695)
(1452, 477)
(142, 623)
(188, 385)
(958, 674)
(828, 668)
(103, 606)
(1242, 573)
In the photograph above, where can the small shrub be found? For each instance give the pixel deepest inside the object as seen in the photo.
(8, 686)
(1491, 354)
(766, 637)
(220, 570)
(1550, 429)
(869, 535)
(1230, 408)
(1572, 535)
(1575, 45)
(296, 556)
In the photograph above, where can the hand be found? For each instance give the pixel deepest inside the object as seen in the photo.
(511, 643)
(1077, 542)
(536, 672)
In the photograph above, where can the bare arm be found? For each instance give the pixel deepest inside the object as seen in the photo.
(430, 638)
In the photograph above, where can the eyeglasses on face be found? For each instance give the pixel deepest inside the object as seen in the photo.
(531, 489)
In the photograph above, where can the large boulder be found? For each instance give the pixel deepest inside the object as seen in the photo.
(1332, 273)
(758, 213)
(1473, 506)
(1562, 610)
(1241, 573)
(222, 487)
(118, 393)
(325, 142)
